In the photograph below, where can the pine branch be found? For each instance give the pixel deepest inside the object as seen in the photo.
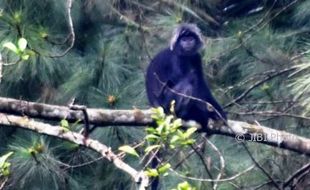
(241, 131)
(61, 133)
(98, 117)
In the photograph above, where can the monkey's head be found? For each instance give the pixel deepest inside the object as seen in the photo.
(186, 40)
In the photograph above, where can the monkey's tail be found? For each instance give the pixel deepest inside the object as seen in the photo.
(155, 182)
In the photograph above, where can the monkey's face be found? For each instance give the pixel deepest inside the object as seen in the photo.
(186, 40)
(188, 43)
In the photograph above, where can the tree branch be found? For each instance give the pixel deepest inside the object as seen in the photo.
(98, 117)
(241, 131)
(258, 83)
(59, 132)
(296, 174)
(71, 36)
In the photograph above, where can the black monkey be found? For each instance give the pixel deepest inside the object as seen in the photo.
(176, 74)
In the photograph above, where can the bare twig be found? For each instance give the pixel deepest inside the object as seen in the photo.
(269, 77)
(222, 162)
(265, 16)
(84, 164)
(201, 157)
(214, 180)
(262, 185)
(154, 155)
(127, 20)
(3, 183)
(254, 77)
(2, 64)
(189, 154)
(260, 167)
(299, 172)
(71, 36)
(300, 55)
(68, 166)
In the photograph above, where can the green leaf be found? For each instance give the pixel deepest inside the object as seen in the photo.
(128, 149)
(177, 124)
(43, 34)
(168, 120)
(6, 169)
(160, 129)
(64, 123)
(11, 47)
(180, 134)
(188, 142)
(150, 130)
(189, 132)
(157, 113)
(174, 139)
(150, 148)
(151, 172)
(185, 186)
(164, 168)
(25, 57)
(151, 137)
(22, 44)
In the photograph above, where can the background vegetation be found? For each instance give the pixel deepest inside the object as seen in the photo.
(256, 62)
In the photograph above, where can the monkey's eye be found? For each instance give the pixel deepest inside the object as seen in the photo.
(187, 39)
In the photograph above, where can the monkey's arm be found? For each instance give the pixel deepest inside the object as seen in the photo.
(164, 86)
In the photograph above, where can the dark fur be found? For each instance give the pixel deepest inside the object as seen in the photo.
(173, 71)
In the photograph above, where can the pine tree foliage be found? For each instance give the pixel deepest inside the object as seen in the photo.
(246, 41)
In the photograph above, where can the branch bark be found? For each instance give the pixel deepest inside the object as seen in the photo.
(241, 131)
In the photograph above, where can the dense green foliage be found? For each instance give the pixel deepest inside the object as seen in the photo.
(255, 50)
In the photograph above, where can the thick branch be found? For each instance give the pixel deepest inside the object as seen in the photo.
(59, 132)
(244, 131)
(101, 117)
